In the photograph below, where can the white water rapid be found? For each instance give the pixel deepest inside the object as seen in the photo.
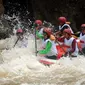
(19, 66)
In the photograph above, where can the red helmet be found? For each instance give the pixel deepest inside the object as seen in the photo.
(83, 25)
(62, 19)
(38, 22)
(67, 31)
(19, 31)
(47, 31)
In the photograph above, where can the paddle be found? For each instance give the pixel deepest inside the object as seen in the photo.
(35, 43)
(16, 42)
(81, 52)
(74, 36)
(63, 50)
(77, 33)
(60, 46)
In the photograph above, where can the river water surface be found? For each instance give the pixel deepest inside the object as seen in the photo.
(20, 66)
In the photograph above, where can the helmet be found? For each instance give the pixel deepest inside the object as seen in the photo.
(83, 25)
(19, 31)
(67, 31)
(38, 22)
(47, 31)
(62, 19)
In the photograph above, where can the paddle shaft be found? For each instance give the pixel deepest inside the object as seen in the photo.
(63, 49)
(16, 42)
(82, 52)
(35, 43)
(60, 46)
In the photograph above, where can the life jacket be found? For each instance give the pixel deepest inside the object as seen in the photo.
(82, 39)
(79, 42)
(41, 31)
(53, 50)
(69, 43)
(61, 27)
(81, 35)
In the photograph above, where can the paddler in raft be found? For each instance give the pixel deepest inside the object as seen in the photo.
(22, 40)
(70, 42)
(63, 24)
(49, 47)
(38, 25)
(82, 38)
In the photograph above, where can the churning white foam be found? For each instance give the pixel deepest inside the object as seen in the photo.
(20, 66)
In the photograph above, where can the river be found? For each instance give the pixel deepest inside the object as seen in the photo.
(20, 66)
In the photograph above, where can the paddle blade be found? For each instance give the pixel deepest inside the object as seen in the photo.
(61, 50)
(45, 62)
